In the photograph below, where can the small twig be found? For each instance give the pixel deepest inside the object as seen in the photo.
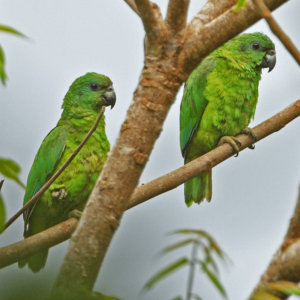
(35, 198)
(1, 183)
(132, 4)
(265, 12)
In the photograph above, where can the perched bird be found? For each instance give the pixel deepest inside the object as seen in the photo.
(70, 191)
(219, 100)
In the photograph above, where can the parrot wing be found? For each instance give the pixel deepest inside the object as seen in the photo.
(194, 103)
(44, 164)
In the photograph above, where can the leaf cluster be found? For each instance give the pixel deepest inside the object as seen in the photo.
(209, 249)
(270, 290)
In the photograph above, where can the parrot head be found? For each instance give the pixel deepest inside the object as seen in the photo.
(251, 51)
(89, 93)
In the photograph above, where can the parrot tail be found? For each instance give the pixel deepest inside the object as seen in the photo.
(35, 262)
(198, 188)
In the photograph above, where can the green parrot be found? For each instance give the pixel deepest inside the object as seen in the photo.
(219, 100)
(69, 193)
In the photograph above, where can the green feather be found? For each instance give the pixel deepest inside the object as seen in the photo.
(220, 98)
(81, 107)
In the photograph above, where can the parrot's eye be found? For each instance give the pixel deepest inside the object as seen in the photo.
(94, 86)
(256, 46)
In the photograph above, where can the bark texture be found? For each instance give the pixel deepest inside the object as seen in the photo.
(169, 59)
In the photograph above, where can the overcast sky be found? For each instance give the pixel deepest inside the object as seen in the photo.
(253, 195)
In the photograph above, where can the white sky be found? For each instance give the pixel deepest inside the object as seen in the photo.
(253, 195)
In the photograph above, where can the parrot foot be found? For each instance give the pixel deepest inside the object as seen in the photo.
(250, 132)
(60, 194)
(75, 214)
(232, 141)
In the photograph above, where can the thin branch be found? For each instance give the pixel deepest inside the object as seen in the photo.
(36, 197)
(1, 183)
(285, 264)
(289, 45)
(202, 40)
(162, 185)
(177, 13)
(132, 4)
(36, 243)
(211, 159)
(153, 24)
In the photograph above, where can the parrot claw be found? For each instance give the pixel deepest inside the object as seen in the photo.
(75, 214)
(59, 194)
(232, 141)
(252, 147)
(250, 132)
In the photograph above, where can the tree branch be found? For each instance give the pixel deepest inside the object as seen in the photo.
(160, 80)
(132, 4)
(61, 232)
(265, 13)
(211, 159)
(36, 243)
(202, 40)
(177, 13)
(153, 24)
(285, 265)
(36, 197)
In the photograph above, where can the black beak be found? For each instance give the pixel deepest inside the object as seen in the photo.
(269, 60)
(109, 97)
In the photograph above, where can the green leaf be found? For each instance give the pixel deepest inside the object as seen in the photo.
(97, 295)
(11, 30)
(177, 245)
(178, 298)
(212, 243)
(196, 297)
(2, 211)
(209, 260)
(10, 169)
(165, 272)
(214, 279)
(286, 287)
(263, 295)
(240, 4)
(3, 76)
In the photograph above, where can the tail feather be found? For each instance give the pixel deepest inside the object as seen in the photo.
(198, 188)
(35, 262)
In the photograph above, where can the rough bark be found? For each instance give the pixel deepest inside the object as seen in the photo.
(177, 13)
(167, 65)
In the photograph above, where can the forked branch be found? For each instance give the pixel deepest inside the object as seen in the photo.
(289, 45)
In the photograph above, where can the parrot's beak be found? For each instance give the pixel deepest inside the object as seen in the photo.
(269, 60)
(109, 97)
